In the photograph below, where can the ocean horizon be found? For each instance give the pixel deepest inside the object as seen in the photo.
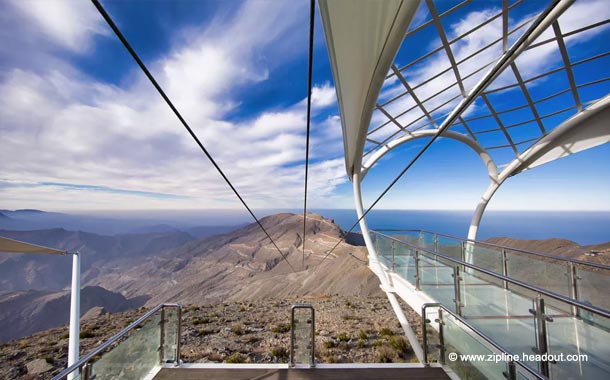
(582, 227)
(585, 228)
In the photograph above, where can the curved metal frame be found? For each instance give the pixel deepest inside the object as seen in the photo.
(539, 152)
(492, 170)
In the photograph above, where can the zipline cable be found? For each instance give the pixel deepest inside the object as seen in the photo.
(312, 11)
(150, 77)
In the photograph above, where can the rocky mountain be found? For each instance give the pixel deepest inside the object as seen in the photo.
(173, 267)
(598, 253)
(243, 264)
(26, 312)
(52, 273)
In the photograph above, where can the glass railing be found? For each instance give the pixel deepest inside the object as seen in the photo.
(302, 335)
(527, 319)
(577, 279)
(451, 341)
(136, 351)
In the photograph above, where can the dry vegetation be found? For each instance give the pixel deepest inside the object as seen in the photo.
(348, 329)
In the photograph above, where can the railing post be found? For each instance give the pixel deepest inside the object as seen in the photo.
(162, 338)
(573, 276)
(417, 271)
(504, 268)
(463, 254)
(541, 320)
(178, 335)
(424, 334)
(86, 372)
(512, 371)
(441, 338)
(393, 259)
(456, 285)
(435, 243)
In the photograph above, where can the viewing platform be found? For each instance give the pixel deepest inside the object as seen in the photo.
(475, 298)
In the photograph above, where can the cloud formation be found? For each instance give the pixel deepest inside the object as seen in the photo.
(60, 126)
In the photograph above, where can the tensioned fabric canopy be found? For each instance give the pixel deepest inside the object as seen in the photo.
(10, 245)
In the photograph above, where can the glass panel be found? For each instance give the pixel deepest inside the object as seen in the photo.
(302, 331)
(458, 341)
(503, 315)
(384, 250)
(411, 237)
(405, 262)
(171, 334)
(592, 286)
(575, 336)
(546, 273)
(486, 257)
(426, 240)
(134, 357)
(437, 279)
(450, 247)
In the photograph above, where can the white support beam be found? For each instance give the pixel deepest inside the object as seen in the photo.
(74, 337)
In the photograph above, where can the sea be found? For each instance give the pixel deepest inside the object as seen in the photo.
(585, 228)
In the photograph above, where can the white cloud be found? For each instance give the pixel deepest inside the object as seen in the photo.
(60, 126)
(70, 24)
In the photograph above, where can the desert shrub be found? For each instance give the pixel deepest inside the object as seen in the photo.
(64, 336)
(49, 359)
(253, 339)
(384, 331)
(281, 328)
(86, 334)
(236, 330)
(379, 343)
(329, 344)
(362, 335)
(385, 355)
(205, 332)
(343, 337)
(279, 352)
(399, 344)
(361, 343)
(235, 358)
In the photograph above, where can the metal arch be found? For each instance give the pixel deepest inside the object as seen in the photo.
(492, 170)
(586, 129)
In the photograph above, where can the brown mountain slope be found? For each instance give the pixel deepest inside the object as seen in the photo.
(560, 247)
(244, 265)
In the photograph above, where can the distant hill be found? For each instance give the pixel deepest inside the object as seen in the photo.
(23, 313)
(244, 265)
(51, 272)
(560, 247)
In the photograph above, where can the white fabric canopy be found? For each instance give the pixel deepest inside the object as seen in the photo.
(363, 38)
(10, 245)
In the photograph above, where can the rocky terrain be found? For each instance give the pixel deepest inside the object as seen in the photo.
(349, 329)
(150, 268)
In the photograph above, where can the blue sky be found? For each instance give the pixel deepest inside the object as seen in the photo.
(82, 129)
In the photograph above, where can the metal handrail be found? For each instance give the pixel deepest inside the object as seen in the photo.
(549, 256)
(85, 359)
(559, 297)
(490, 341)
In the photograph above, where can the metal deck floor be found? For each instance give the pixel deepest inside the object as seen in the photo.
(301, 374)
